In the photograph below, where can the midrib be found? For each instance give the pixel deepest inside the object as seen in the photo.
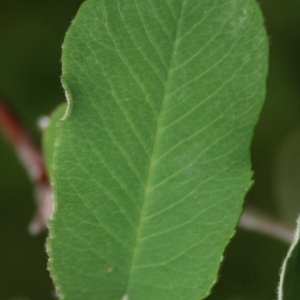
(154, 150)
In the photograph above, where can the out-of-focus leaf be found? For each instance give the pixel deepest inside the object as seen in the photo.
(49, 135)
(289, 285)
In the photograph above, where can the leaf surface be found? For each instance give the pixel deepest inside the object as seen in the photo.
(152, 160)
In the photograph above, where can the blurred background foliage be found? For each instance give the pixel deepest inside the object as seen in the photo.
(31, 34)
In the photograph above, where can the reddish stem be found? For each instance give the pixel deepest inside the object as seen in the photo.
(32, 159)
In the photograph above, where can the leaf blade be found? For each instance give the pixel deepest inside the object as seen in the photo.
(160, 145)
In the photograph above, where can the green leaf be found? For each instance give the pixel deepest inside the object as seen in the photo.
(152, 160)
(289, 285)
(49, 135)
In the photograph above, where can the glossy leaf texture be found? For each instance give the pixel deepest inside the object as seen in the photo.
(152, 162)
(289, 287)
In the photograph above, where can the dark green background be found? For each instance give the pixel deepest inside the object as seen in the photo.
(31, 34)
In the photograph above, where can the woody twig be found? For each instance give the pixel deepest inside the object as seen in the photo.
(31, 157)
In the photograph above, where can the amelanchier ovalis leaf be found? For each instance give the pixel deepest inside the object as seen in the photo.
(289, 285)
(152, 161)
